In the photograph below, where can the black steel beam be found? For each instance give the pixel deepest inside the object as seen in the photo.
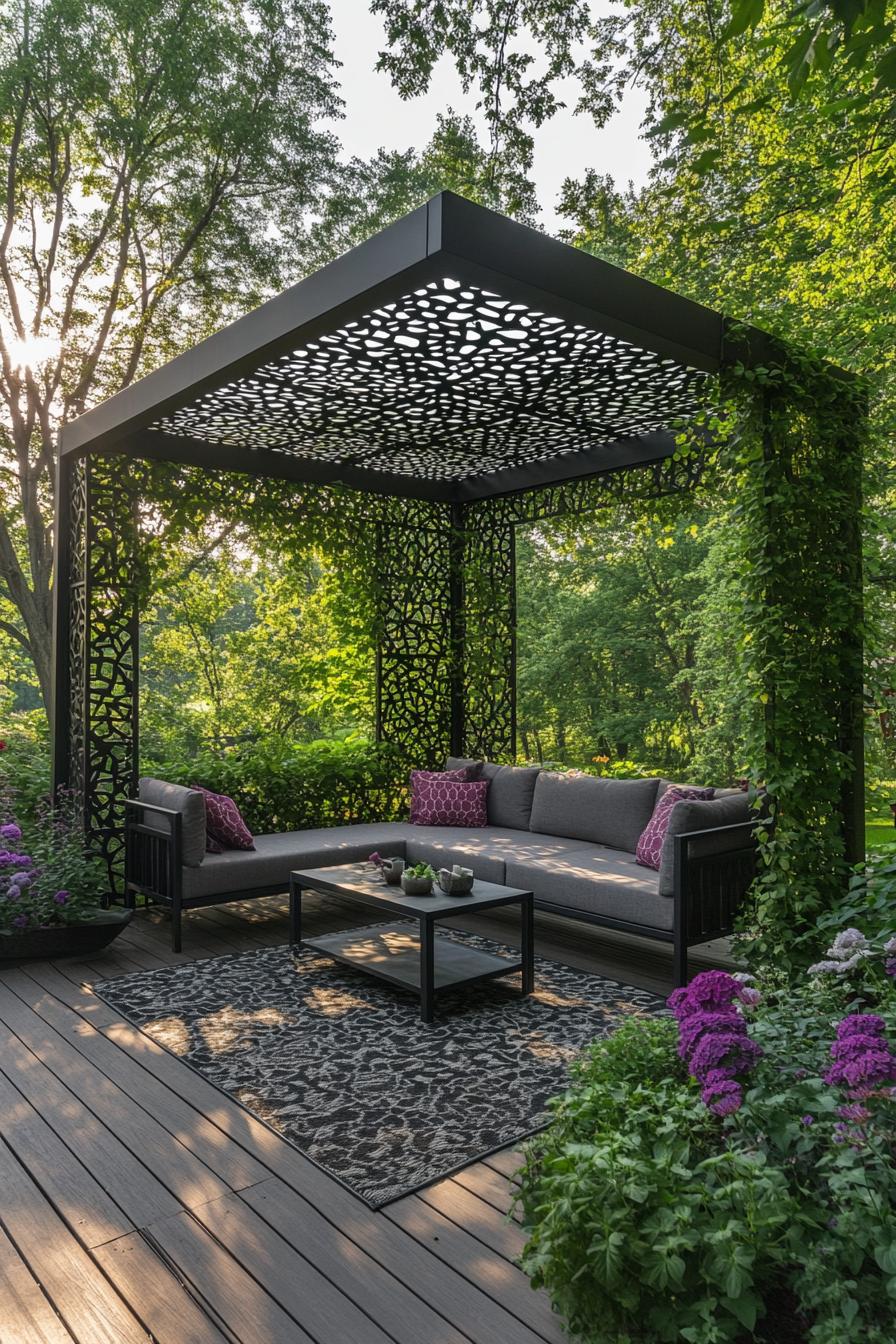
(522, 263)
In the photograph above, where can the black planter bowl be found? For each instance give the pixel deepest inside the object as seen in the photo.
(66, 940)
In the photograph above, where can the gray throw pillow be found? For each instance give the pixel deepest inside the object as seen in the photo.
(692, 815)
(190, 805)
(510, 790)
(609, 812)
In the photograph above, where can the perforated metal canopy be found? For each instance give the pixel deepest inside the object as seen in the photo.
(455, 355)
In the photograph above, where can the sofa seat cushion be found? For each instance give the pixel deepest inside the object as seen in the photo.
(275, 856)
(485, 851)
(597, 881)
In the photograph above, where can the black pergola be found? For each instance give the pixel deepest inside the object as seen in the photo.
(461, 367)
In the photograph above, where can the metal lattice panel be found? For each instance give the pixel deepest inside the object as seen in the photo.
(107, 682)
(449, 382)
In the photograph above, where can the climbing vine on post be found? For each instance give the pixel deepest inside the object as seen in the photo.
(791, 473)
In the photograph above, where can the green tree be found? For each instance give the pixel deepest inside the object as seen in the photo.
(160, 157)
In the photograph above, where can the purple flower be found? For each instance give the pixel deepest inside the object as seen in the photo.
(862, 1057)
(890, 947)
(61, 897)
(20, 921)
(807, 1120)
(723, 1096)
(750, 996)
(692, 1029)
(861, 1024)
(890, 967)
(10, 831)
(709, 992)
(732, 1051)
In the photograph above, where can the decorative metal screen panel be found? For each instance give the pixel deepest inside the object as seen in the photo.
(103, 647)
(446, 383)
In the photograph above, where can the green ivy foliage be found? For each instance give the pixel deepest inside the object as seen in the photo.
(791, 471)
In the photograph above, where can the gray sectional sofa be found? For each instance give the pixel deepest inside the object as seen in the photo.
(570, 839)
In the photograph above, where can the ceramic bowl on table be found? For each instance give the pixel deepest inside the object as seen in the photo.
(416, 886)
(455, 884)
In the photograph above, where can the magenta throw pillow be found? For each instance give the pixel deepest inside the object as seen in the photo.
(436, 801)
(418, 777)
(224, 824)
(650, 842)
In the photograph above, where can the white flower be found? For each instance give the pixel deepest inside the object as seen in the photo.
(846, 942)
(744, 977)
(852, 962)
(890, 947)
(825, 967)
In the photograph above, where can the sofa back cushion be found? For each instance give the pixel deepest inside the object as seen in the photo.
(609, 812)
(191, 806)
(511, 788)
(729, 810)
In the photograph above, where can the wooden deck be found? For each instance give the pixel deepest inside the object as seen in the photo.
(139, 1203)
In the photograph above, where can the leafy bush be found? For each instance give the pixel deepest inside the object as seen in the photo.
(279, 786)
(46, 878)
(691, 1189)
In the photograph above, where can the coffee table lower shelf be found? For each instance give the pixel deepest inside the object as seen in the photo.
(392, 952)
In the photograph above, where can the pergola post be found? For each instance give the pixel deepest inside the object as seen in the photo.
(96, 671)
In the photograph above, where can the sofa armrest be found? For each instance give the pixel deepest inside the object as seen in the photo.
(713, 871)
(153, 851)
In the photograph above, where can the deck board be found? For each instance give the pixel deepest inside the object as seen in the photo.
(140, 1201)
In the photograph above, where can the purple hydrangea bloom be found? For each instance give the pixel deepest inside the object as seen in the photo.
(749, 996)
(862, 1057)
(807, 1120)
(692, 1029)
(890, 947)
(21, 921)
(710, 992)
(10, 831)
(723, 1096)
(732, 1051)
(861, 1024)
(61, 897)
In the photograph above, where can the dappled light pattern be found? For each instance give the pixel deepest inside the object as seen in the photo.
(342, 1066)
(445, 383)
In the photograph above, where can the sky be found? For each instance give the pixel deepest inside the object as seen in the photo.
(377, 118)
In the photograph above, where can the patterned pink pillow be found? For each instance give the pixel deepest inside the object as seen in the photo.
(650, 843)
(437, 801)
(418, 777)
(223, 822)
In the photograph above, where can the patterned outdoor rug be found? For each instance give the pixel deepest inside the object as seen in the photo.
(341, 1065)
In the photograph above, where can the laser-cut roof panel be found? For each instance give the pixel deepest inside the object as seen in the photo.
(445, 383)
(454, 355)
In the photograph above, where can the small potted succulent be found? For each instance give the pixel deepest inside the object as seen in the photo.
(51, 891)
(417, 880)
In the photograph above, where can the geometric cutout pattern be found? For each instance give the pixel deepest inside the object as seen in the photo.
(444, 638)
(446, 383)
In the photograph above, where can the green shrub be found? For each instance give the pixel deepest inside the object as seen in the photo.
(650, 1219)
(279, 786)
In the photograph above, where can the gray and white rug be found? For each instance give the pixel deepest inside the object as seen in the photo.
(340, 1064)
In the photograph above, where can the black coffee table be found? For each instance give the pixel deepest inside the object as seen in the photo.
(426, 965)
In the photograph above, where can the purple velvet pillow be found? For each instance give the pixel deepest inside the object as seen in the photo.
(650, 843)
(436, 801)
(223, 823)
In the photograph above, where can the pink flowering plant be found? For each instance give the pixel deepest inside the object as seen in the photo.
(46, 879)
(727, 1172)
